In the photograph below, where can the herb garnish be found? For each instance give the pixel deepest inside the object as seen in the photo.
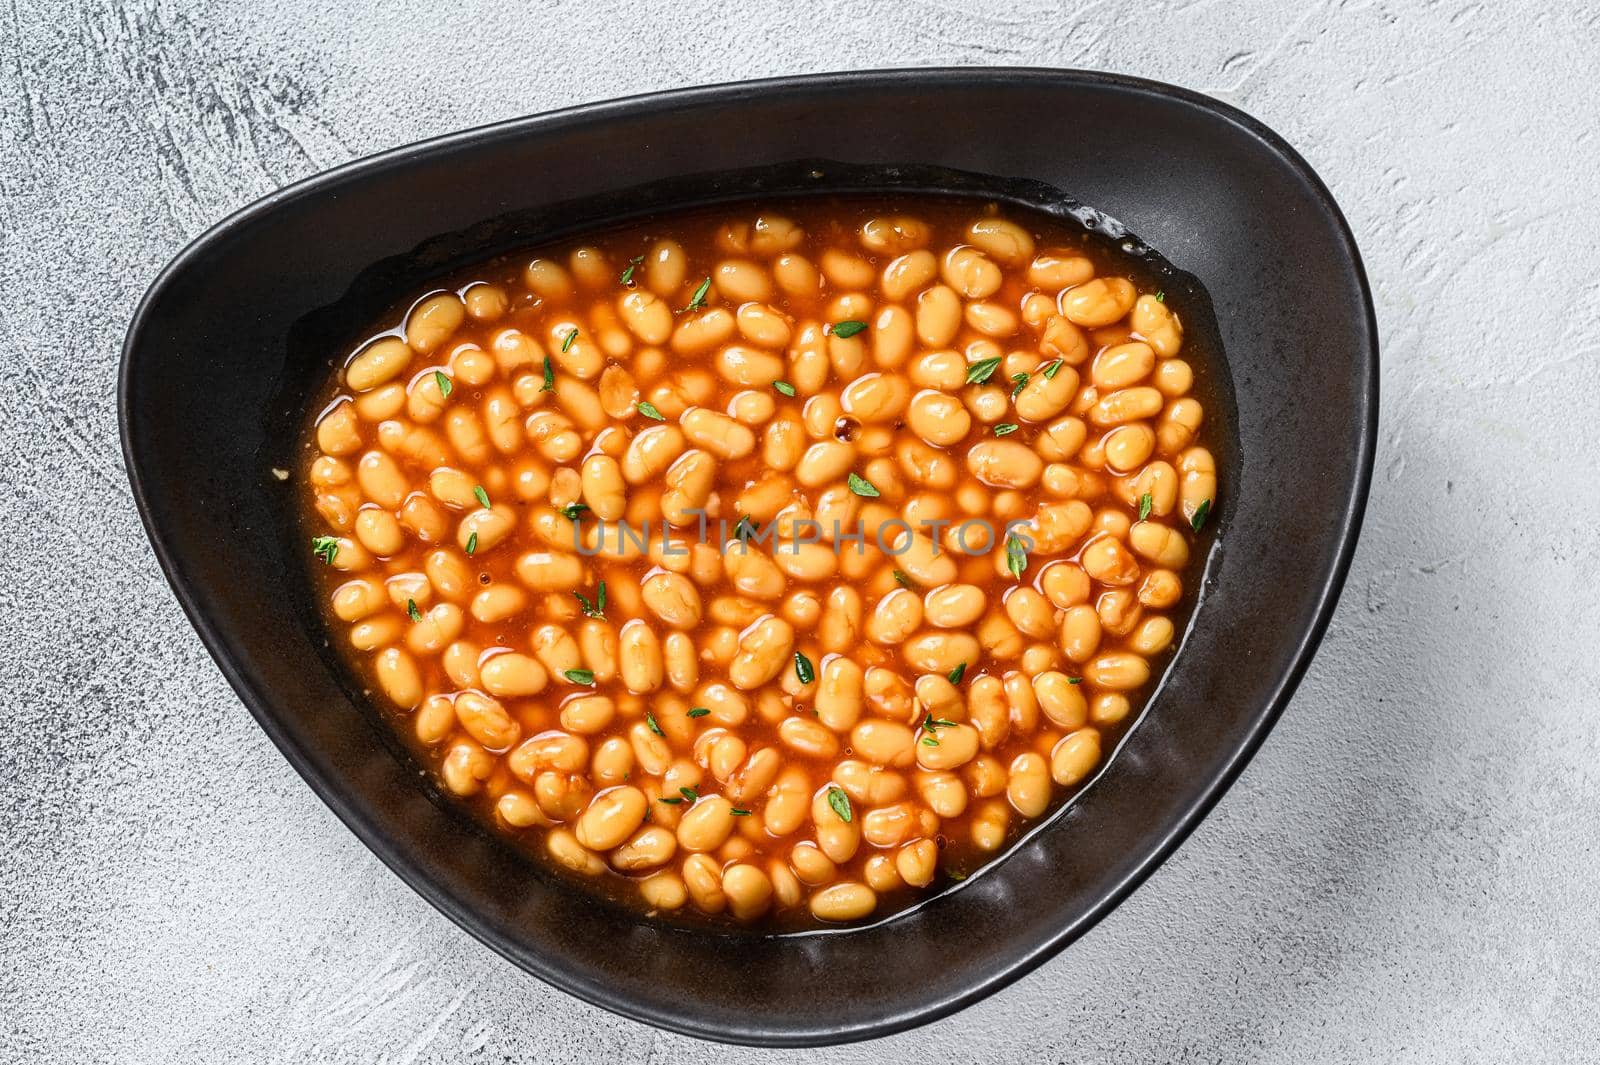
(549, 376)
(633, 264)
(572, 510)
(1016, 555)
(784, 388)
(1005, 429)
(803, 668)
(1161, 296)
(1051, 370)
(649, 410)
(699, 711)
(596, 609)
(481, 496)
(1200, 514)
(325, 548)
(699, 299)
(1022, 382)
(848, 328)
(957, 673)
(412, 611)
(472, 544)
(579, 676)
(650, 720)
(841, 804)
(690, 794)
(982, 370)
(446, 386)
(567, 343)
(861, 486)
(736, 812)
(1145, 503)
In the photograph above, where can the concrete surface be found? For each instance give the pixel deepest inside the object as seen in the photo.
(1408, 871)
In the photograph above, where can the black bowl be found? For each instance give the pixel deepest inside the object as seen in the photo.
(236, 333)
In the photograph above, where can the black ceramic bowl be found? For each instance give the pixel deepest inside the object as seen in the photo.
(234, 336)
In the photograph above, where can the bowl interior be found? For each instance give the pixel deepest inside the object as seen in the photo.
(239, 331)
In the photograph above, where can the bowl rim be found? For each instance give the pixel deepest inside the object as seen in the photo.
(1161, 847)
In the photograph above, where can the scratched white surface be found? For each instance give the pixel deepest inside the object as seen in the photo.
(1407, 873)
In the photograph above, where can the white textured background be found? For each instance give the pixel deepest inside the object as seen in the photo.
(1408, 871)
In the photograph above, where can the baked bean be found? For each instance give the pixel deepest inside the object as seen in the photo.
(939, 419)
(763, 651)
(465, 767)
(1117, 672)
(1098, 302)
(990, 822)
(893, 234)
(1004, 464)
(1056, 269)
(399, 677)
(611, 817)
(512, 675)
(1028, 786)
(845, 901)
(1074, 756)
(1155, 323)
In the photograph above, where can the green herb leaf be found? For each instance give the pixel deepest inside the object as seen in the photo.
(566, 344)
(572, 510)
(579, 676)
(633, 264)
(957, 673)
(903, 580)
(690, 794)
(930, 741)
(803, 668)
(841, 804)
(1161, 297)
(1022, 382)
(412, 611)
(649, 410)
(1005, 429)
(549, 376)
(861, 486)
(1074, 680)
(744, 528)
(650, 720)
(326, 548)
(446, 386)
(982, 370)
(1201, 512)
(481, 496)
(699, 711)
(1051, 370)
(699, 299)
(1016, 555)
(784, 387)
(1145, 503)
(736, 812)
(472, 544)
(848, 328)
(596, 609)
(673, 800)
(933, 724)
